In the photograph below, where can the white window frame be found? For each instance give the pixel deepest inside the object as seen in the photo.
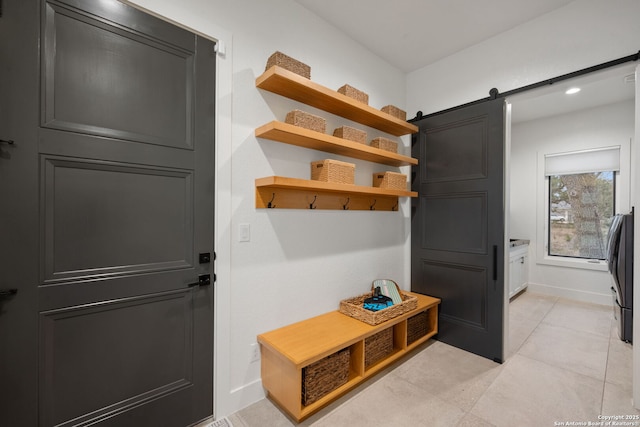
(542, 215)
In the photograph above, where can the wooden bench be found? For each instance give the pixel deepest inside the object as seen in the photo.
(286, 351)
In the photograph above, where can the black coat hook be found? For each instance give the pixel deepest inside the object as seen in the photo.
(312, 203)
(346, 205)
(395, 207)
(270, 205)
(372, 208)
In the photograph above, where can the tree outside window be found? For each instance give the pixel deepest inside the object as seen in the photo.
(581, 207)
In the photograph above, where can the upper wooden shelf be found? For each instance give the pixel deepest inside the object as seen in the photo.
(296, 135)
(286, 83)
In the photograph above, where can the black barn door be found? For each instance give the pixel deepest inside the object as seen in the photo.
(457, 231)
(106, 203)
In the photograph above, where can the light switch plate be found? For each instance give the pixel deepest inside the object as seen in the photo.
(244, 233)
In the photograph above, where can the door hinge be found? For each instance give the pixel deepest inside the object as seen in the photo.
(220, 49)
(0, 8)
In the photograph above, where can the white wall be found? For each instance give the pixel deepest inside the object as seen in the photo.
(299, 263)
(579, 35)
(604, 126)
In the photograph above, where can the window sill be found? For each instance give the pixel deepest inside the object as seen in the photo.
(583, 264)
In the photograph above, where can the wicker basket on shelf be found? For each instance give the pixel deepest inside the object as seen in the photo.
(288, 63)
(385, 144)
(324, 376)
(394, 111)
(378, 347)
(352, 134)
(390, 180)
(417, 327)
(306, 120)
(354, 93)
(335, 171)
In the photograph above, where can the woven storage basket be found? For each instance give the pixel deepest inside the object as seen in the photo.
(352, 134)
(288, 63)
(352, 307)
(330, 170)
(390, 180)
(377, 347)
(417, 327)
(354, 93)
(394, 111)
(385, 144)
(324, 376)
(306, 120)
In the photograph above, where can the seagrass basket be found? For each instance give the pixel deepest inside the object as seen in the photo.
(352, 134)
(354, 93)
(417, 327)
(324, 376)
(306, 120)
(288, 63)
(352, 307)
(390, 180)
(394, 111)
(335, 171)
(385, 144)
(378, 347)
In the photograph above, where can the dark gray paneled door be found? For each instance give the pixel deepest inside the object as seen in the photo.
(457, 231)
(106, 203)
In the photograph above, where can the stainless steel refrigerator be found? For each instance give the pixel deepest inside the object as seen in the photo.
(620, 264)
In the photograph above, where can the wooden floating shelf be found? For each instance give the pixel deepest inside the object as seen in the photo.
(296, 135)
(293, 193)
(286, 83)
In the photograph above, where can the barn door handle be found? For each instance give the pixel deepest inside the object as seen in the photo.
(495, 262)
(7, 141)
(7, 293)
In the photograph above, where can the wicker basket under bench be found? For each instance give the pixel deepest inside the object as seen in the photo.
(308, 364)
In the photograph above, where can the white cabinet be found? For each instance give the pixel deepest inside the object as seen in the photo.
(518, 269)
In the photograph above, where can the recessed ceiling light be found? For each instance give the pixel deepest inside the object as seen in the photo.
(572, 90)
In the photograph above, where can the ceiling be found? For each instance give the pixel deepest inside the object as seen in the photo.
(412, 34)
(608, 86)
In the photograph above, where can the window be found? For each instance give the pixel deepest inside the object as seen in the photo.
(580, 210)
(581, 201)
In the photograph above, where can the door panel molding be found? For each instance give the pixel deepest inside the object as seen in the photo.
(446, 225)
(81, 55)
(149, 338)
(68, 144)
(443, 144)
(470, 291)
(89, 204)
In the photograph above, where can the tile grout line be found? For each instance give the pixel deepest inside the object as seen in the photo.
(606, 368)
(536, 327)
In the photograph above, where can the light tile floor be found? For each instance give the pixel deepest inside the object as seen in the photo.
(565, 365)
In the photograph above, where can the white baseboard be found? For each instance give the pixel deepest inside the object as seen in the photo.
(244, 396)
(574, 294)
